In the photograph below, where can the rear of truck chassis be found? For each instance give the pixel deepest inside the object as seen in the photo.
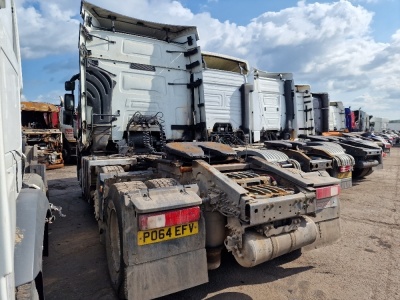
(165, 223)
(367, 155)
(166, 206)
(317, 156)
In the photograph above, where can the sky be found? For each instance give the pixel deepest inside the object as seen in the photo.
(348, 48)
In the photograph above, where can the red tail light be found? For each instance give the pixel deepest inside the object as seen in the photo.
(328, 191)
(169, 218)
(344, 169)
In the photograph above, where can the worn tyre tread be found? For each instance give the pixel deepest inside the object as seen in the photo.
(161, 182)
(118, 279)
(109, 169)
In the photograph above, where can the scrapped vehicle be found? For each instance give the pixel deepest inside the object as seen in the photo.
(168, 201)
(42, 137)
(68, 127)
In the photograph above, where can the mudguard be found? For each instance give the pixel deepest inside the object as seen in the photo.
(32, 206)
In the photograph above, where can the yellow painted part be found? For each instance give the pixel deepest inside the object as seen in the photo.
(344, 175)
(38, 106)
(167, 233)
(332, 133)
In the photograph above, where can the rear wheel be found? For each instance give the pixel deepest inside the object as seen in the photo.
(66, 152)
(370, 171)
(114, 244)
(360, 173)
(114, 235)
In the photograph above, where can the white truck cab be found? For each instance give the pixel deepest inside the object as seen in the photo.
(24, 206)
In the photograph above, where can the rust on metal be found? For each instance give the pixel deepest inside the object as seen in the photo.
(38, 106)
(217, 147)
(185, 169)
(56, 166)
(199, 149)
(185, 149)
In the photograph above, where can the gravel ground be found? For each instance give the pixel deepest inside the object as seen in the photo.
(364, 264)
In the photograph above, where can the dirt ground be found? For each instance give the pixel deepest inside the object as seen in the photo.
(364, 264)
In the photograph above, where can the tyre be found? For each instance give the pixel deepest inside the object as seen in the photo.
(27, 291)
(370, 171)
(66, 152)
(161, 182)
(357, 173)
(114, 235)
(360, 173)
(114, 243)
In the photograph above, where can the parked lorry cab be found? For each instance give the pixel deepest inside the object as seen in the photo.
(329, 116)
(167, 201)
(362, 120)
(233, 104)
(350, 119)
(337, 117)
(245, 102)
(24, 207)
(40, 128)
(304, 111)
(378, 124)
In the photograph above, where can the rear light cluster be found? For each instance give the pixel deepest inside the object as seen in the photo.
(388, 146)
(328, 191)
(344, 169)
(169, 218)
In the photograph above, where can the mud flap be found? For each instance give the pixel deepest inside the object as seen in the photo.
(328, 232)
(346, 183)
(184, 270)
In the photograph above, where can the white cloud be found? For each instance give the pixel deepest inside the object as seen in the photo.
(327, 45)
(46, 28)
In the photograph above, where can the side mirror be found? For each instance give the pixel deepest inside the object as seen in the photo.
(70, 85)
(69, 102)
